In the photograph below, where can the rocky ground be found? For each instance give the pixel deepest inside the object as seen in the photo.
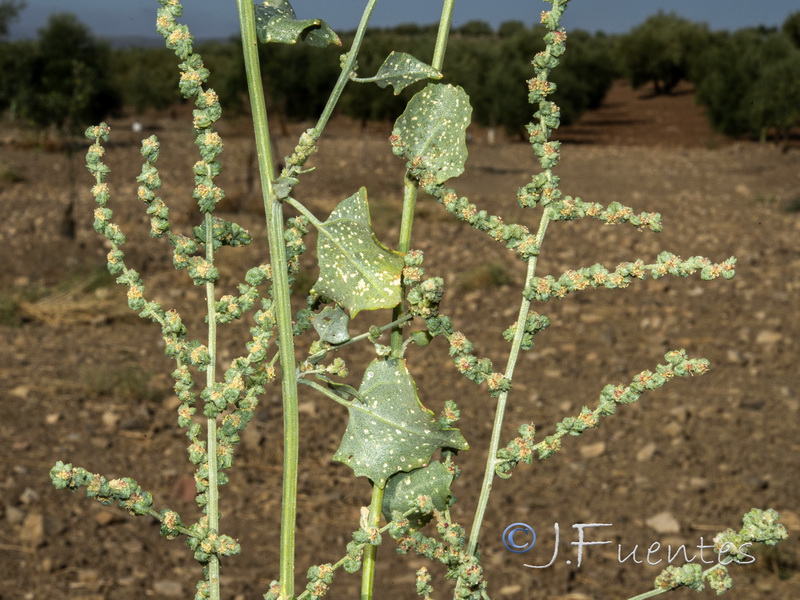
(86, 382)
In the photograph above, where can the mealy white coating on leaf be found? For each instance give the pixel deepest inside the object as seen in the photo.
(391, 420)
(356, 270)
(431, 133)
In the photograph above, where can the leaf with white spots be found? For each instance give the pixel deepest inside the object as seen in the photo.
(401, 70)
(432, 132)
(277, 22)
(331, 325)
(389, 430)
(403, 489)
(355, 270)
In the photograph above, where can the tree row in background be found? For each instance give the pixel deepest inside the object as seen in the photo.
(299, 78)
(748, 80)
(64, 79)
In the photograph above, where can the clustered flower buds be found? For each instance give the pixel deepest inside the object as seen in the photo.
(534, 323)
(758, 527)
(547, 288)
(450, 551)
(125, 491)
(478, 370)
(523, 448)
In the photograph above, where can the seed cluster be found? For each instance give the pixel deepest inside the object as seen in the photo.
(523, 448)
(758, 527)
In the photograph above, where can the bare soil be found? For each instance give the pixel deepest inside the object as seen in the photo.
(85, 382)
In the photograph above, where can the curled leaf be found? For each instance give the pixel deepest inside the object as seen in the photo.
(277, 22)
(331, 325)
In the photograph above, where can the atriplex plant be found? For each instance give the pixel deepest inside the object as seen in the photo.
(390, 438)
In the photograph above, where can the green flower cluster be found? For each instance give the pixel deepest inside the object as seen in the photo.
(569, 208)
(296, 228)
(514, 236)
(544, 186)
(423, 295)
(478, 370)
(206, 543)
(125, 491)
(534, 323)
(688, 575)
(758, 527)
(523, 448)
(320, 578)
(423, 583)
(450, 551)
(667, 263)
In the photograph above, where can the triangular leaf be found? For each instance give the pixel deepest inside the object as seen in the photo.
(389, 430)
(356, 270)
(401, 70)
(277, 22)
(331, 325)
(403, 489)
(432, 132)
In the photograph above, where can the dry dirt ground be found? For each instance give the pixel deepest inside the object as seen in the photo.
(84, 381)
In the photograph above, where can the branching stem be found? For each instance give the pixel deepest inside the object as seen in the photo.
(494, 445)
(348, 68)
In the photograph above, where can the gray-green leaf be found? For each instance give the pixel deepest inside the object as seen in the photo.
(277, 22)
(356, 271)
(401, 70)
(389, 430)
(431, 133)
(403, 489)
(331, 325)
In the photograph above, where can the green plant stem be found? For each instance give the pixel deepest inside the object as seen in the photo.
(324, 391)
(443, 34)
(362, 336)
(651, 594)
(348, 68)
(281, 297)
(494, 444)
(212, 508)
(396, 343)
(370, 551)
(410, 193)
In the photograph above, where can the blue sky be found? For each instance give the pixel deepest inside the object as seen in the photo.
(217, 18)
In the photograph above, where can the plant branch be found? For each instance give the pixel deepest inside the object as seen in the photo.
(281, 296)
(348, 69)
(370, 551)
(491, 459)
(212, 508)
(442, 35)
(362, 336)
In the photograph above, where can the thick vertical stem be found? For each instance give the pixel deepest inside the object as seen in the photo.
(280, 296)
(370, 551)
(410, 189)
(212, 507)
